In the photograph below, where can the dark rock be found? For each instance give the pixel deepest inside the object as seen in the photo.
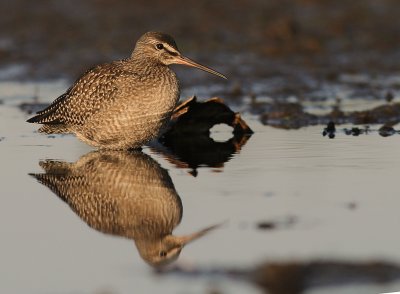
(387, 130)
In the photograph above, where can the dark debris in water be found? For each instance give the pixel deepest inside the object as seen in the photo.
(297, 277)
(355, 131)
(385, 131)
(187, 142)
(277, 224)
(330, 130)
(192, 117)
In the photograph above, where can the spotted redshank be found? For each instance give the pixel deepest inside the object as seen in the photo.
(123, 104)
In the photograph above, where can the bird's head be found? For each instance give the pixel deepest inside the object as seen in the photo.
(162, 47)
(165, 250)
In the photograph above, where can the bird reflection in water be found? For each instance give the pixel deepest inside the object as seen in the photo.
(125, 194)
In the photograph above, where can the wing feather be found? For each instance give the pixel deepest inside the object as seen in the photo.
(95, 89)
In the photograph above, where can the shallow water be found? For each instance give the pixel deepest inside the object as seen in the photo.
(328, 199)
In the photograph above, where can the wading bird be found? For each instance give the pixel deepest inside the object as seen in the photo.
(123, 104)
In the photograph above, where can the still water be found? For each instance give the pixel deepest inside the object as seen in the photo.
(74, 220)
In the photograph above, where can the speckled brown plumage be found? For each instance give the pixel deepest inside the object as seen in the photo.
(123, 104)
(126, 194)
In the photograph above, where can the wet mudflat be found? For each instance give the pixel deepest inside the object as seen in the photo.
(290, 205)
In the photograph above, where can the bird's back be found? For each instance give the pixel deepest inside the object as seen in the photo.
(93, 91)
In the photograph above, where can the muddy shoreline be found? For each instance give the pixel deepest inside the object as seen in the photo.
(55, 39)
(281, 57)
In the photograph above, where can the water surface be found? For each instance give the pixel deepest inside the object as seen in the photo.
(328, 199)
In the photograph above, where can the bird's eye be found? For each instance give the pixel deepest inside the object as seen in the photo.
(160, 46)
(163, 253)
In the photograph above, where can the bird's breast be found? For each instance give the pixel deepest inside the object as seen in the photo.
(142, 108)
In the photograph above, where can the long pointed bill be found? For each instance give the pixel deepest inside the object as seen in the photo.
(187, 61)
(187, 239)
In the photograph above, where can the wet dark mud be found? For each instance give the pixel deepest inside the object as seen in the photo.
(290, 53)
(305, 43)
(293, 116)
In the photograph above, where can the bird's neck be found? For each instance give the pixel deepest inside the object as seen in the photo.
(140, 56)
(146, 64)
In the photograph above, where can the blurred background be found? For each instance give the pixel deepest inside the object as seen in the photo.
(61, 38)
